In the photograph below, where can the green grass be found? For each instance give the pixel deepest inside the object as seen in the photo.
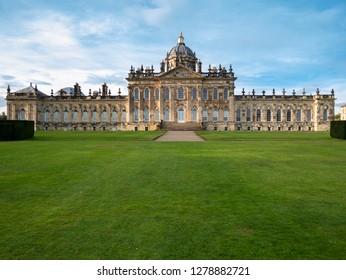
(118, 195)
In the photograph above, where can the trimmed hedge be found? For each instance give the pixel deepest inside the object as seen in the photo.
(16, 130)
(338, 129)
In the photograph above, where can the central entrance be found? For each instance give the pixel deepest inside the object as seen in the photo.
(180, 115)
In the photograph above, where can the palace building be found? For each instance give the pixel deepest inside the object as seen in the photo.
(178, 97)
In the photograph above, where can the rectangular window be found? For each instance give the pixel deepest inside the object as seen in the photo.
(288, 117)
(180, 93)
(56, 116)
(84, 116)
(205, 116)
(216, 115)
(146, 115)
(166, 93)
(157, 94)
(325, 115)
(157, 115)
(258, 115)
(215, 94)
(238, 115)
(194, 114)
(278, 115)
(65, 116)
(248, 115)
(308, 115)
(123, 116)
(269, 115)
(299, 115)
(94, 116)
(225, 116)
(114, 116)
(225, 94)
(194, 94)
(104, 116)
(146, 94)
(205, 94)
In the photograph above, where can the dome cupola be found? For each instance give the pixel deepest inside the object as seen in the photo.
(181, 55)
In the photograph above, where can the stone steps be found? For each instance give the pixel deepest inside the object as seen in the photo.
(189, 126)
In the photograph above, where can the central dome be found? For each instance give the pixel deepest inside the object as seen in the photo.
(181, 55)
(181, 48)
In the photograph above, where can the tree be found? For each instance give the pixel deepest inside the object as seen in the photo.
(3, 116)
(337, 117)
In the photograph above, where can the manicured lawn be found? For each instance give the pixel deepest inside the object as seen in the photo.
(118, 195)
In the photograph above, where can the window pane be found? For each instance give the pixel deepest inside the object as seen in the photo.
(225, 115)
(180, 93)
(288, 115)
(146, 94)
(194, 114)
(238, 115)
(205, 94)
(258, 115)
(225, 94)
(269, 115)
(135, 95)
(215, 94)
(194, 94)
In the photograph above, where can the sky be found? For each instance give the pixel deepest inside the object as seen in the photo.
(271, 44)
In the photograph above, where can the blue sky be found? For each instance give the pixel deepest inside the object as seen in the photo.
(270, 44)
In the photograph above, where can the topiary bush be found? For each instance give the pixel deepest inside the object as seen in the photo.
(338, 129)
(16, 130)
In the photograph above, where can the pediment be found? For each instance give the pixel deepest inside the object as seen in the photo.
(180, 72)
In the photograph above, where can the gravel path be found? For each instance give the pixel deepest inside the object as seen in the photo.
(180, 136)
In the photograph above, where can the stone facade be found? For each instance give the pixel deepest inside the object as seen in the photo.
(343, 113)
(178, 97)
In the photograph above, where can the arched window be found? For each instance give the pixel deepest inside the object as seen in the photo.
(225, 115)
(204, 94)
(123, 116)
(278, 115)
(157, 94)
(65, 116)
(21, 115)
(248, 115)
(194, 114)
(216, 115)
(194, 94)
(136, 94)
(181, 117)
(56, 116)
(94, 116)
(104, 116)
(166, 93)
(258, 115)
(146, 94)
(157, 115)
(215, 94)
(167, 117)
(180, 93)
(135, 115)
(308, 115)
(114, 116)
(299, 115)
(269, 115)
(46, 116)
(146, 115)
(238, 115)
(85, 116)
(289, 115)
(205, 115)
(75, 116)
